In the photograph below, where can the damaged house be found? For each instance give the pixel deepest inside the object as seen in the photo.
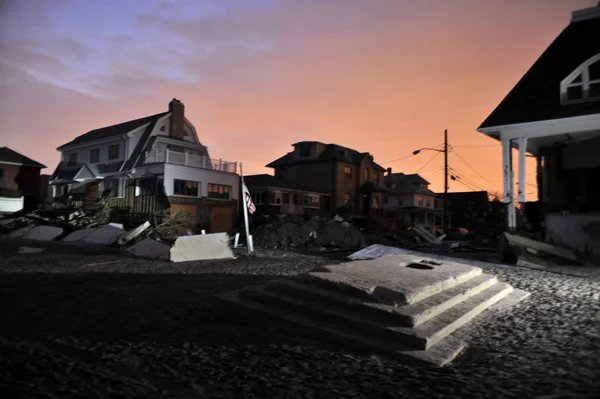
(409, 201)
(553, 114)
(352, 180)
(149, 166)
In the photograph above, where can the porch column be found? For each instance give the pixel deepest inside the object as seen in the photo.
(509, 188)
(522, 155)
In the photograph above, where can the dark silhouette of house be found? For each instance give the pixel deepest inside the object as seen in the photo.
(20, 177)
(352, 179)
(467, 208)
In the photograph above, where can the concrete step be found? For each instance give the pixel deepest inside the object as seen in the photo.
(248, 310)
(429, 308)
(435, 330)
(421, 337)
(409, 316)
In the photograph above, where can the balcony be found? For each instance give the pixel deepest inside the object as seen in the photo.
(194, 161)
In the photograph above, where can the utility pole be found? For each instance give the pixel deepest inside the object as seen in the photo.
(445, 212)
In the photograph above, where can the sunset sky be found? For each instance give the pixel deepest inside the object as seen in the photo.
(383, 76)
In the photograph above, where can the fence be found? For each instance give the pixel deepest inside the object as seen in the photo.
(187, 159)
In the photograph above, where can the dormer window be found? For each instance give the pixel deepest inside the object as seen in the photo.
(583, 84)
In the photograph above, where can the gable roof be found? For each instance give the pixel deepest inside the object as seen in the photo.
(265, 180)
(114, 130)
(536, 97)
(332, 152)
(11, 156)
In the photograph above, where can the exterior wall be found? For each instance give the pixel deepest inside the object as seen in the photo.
(267, 208)
(208, 214)
(580, 232)
(204, 177)
(165, 122)
(83, 152)
(26, 179)
(134, 138)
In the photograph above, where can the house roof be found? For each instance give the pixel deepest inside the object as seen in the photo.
(265, 180)
(332, 152)
(536, 97)
(406, 184)
(114, 130)
(10, 156)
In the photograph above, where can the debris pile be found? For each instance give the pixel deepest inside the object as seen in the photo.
(151, 239)
(317, 232)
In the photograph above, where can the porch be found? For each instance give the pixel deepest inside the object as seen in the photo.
(188, 159)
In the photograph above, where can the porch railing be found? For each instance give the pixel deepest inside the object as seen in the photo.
(196, 161)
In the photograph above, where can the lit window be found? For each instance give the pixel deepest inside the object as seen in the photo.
(348, 172)
(185, 187)
(583, 84)
(218, 191)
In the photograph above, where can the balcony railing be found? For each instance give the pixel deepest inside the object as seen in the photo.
(196, 161)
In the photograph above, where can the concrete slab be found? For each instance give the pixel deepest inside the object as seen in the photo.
(133, 233)
(376, 251)
(395, 279)
(150, 248)
(18, 233)
(117, 225)
(43, 233)
(105, 235)
(78, 235)
(251, 311)
(201, 247)
(538, 246)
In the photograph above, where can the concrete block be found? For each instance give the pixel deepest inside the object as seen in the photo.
(524, 242)
(43, 233)
(78, 235)
(377, 251)
(150, 248)
(133, 233)
(395, 279)
(105, 235)
(117, 225)
(201, 247)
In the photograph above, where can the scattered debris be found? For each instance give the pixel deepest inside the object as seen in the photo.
(201, 247)
(317, 232)
(523, 251)
(134, 233)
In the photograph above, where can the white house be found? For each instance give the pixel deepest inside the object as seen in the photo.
(409, 200)
(553, 113)
(150, 165)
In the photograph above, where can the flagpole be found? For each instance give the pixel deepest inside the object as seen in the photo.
(249, 243)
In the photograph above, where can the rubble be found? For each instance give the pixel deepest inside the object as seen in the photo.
(523, 251)
(317, 232)
(149, 248)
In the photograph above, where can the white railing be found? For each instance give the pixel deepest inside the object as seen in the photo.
(196, 161)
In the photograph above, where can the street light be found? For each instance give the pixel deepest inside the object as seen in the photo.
(445, 151)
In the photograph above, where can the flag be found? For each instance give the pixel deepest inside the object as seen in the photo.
(251, 207)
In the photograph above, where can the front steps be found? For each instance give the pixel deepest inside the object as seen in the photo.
(402, 305)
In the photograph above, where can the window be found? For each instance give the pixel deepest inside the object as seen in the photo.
(419, 201)
(113, 152)
(95, 155)
(583, 84)
(258, 198)
(185, 187)
(311, 201)
(73, 158)
(376, 179)
(366, 174)
(375, 203)
(218, 191)
(286, 198)
(146, 187)
(275, 198)
(348, 172)
(2, 182)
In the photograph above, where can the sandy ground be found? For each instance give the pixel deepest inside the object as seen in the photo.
(104, 326)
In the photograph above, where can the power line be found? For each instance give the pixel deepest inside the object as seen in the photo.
(477, 146)
(473, 169)
(432, 158)
(408, 156)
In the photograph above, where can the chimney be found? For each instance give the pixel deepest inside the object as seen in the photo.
(389, 171)
(176, 109)
(586, 13)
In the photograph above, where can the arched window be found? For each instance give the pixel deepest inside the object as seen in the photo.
(583, 84)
